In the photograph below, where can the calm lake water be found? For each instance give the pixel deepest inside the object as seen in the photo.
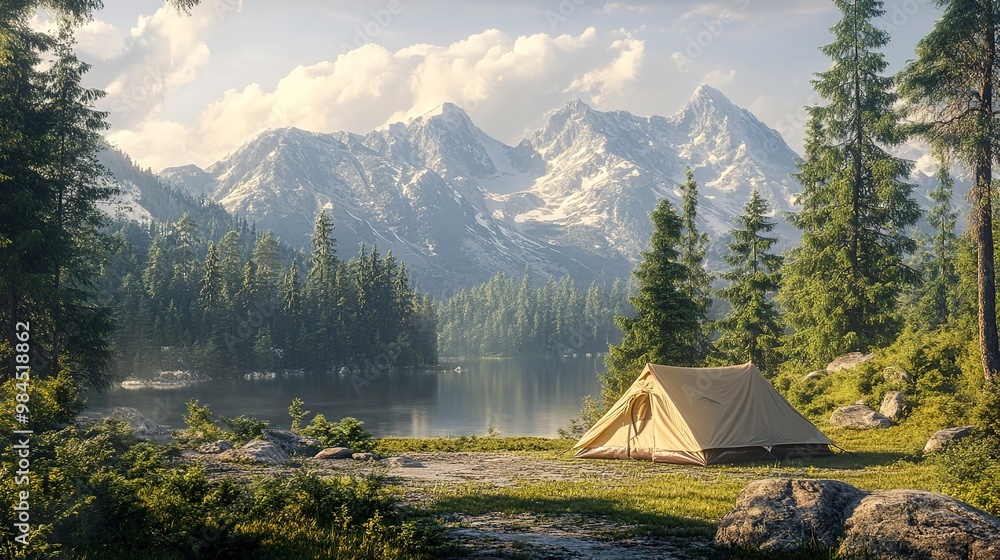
(518, 397)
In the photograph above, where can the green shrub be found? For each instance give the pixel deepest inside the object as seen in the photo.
(297, 414)
(201, 426)
(971, 471)
(246, 428)
(349, 432)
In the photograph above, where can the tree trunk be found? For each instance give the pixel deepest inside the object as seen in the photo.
(989, 348)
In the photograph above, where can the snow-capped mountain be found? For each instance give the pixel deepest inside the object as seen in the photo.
(284, 177)
(453, 202)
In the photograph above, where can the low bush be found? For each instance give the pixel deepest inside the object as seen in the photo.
(349, 432)
(972, 472)
(246, 428)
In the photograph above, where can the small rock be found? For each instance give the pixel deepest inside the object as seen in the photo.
(942, 438)
(215, 447)
(291, 442)
(257, 451)
(859, 417)
(848, 361)
(893, 373)
(894, 405)
(365, 457)
(815, 374)
(139, 425)
(335, 453)
(404, 462)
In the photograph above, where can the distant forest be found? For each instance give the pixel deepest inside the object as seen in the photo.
(184, 301)
(507, 318)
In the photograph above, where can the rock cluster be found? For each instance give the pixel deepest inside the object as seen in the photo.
(778, 516)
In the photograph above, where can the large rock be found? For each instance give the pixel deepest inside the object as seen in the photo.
(335, 453)
(942, 438)
(894, 406)
(291, 442)
(848, 361)
(138, 424)
(783, 515)
(859, 417)
(919, 525)
(787, 516)
(256, 451)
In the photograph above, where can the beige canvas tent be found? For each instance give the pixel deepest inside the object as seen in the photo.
(702, 416)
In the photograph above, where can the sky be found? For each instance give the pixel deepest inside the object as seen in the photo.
(185, 89)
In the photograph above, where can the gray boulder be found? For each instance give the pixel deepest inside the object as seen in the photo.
(942, 438)
(848, 361)
(894, 406)
(256, 451)
(138, 424)
(784, 515)
(365, 457)
(291, 442)
(922, 525)
(215, 447)
(335, 453)
(858, 417)
(404, 462)
(778, 516)
(893, 373)
(815, 374)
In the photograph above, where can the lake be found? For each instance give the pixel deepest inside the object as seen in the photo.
(517, 396)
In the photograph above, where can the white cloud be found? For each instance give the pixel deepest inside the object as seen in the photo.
(614, 78)
(490, 74)
(100, 39)
(162, 52)
(718, 78)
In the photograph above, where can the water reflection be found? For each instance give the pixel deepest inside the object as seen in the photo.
(514, 396)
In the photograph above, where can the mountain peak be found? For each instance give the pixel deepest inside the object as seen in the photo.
(447, 112)
(577, 106)
(707, 96)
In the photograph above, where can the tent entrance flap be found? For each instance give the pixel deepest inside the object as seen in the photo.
(702, 416)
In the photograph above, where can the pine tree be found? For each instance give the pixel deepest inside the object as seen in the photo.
(937, 302)
(752, 331)
(951, 89)
(699, 282)
(841, 286)
(666, 317)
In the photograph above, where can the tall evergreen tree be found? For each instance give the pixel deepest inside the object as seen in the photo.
(698, 285)
(752, 331)
(666, 316)
(940, 279)
(951, 89)
(841, 286)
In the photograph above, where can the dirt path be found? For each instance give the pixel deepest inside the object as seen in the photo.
(492, 535)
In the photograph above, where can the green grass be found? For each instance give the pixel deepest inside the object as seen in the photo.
(553, 447)
(674, 500)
